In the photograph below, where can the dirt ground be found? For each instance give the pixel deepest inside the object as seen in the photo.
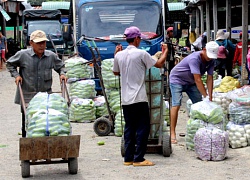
(105, 162)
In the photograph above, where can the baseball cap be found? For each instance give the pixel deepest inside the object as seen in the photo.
(170, 29)
(212, 49)
(133, 32)
(38, 36)
(222, 35)
(221, 52)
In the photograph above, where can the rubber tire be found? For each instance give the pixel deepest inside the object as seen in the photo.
(25, 169)
(102, 126)
(122, 146)
(166, 145)
(73, 165)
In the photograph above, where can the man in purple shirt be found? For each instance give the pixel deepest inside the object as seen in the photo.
(186, 77)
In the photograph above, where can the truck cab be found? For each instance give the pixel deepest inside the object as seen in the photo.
(106, 20)
(48, 21)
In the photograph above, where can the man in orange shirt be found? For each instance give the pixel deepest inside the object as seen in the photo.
(238, 52)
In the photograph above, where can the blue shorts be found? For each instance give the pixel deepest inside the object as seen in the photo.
(191, 90)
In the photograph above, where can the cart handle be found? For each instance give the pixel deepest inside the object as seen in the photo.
(65, 91)
(22, 97)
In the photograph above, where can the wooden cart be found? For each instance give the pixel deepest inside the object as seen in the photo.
(49, 149)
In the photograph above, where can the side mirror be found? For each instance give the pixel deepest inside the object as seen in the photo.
(25, 31)
(177, 30)
(67, 31)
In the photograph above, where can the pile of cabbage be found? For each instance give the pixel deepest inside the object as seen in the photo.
(211, 144)
(227, 84)
(84, 89)
(78, 68)
(82, 110)
(47, 115)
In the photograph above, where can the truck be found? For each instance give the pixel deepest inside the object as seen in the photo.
(106, 20)
(48, 21)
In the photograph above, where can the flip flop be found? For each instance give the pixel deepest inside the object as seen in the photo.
(143, 163)
(128, 163)
(173, 141)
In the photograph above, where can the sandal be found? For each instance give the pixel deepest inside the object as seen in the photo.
(173, 141)
(128, 163)
(143, 163)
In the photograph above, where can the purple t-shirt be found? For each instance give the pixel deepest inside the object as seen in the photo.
(183, 72)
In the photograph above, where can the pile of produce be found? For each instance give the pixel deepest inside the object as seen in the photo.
(101, 107)
(222, 100)
(114, 99)
(238, 135)
(228, 83)
(82, 110)
(47, 115)
(207, 111)
(211, 144)
(78, 68)
(119, 124)
(203, 114)
(193, 125)
(109, 79)
(204, 77)
(84, 89)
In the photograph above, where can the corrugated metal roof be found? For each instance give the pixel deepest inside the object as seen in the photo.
(55, 5)
(176, 6)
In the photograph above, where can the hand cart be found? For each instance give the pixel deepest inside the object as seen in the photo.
(104, 125)
(158, 141)
(49, 149)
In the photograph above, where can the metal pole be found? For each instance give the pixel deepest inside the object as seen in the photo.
(215, 16)
(197, 16)
(202, 17)
(228, 15)
(208, 21)
(244, 38)
(74, 21)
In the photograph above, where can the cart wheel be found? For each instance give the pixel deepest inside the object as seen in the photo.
(73, 165)
(166, 146)
(122, 146)
(25, 168)
(102, 126)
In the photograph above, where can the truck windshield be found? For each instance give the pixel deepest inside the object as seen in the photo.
(110, 19)
(52, 27)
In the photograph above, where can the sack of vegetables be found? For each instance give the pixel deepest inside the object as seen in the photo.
(211, 144)
(207, 111)
(47, 115)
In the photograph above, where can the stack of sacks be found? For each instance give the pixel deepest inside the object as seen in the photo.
(84, 89)
(101, 107)
(82, 110)
(119, 123)
(47, 115)
(211, 144)
(78, 68)
(203, 114)
(239, 117)
(109, 79)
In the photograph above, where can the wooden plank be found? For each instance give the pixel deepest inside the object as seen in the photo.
(49, 147)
